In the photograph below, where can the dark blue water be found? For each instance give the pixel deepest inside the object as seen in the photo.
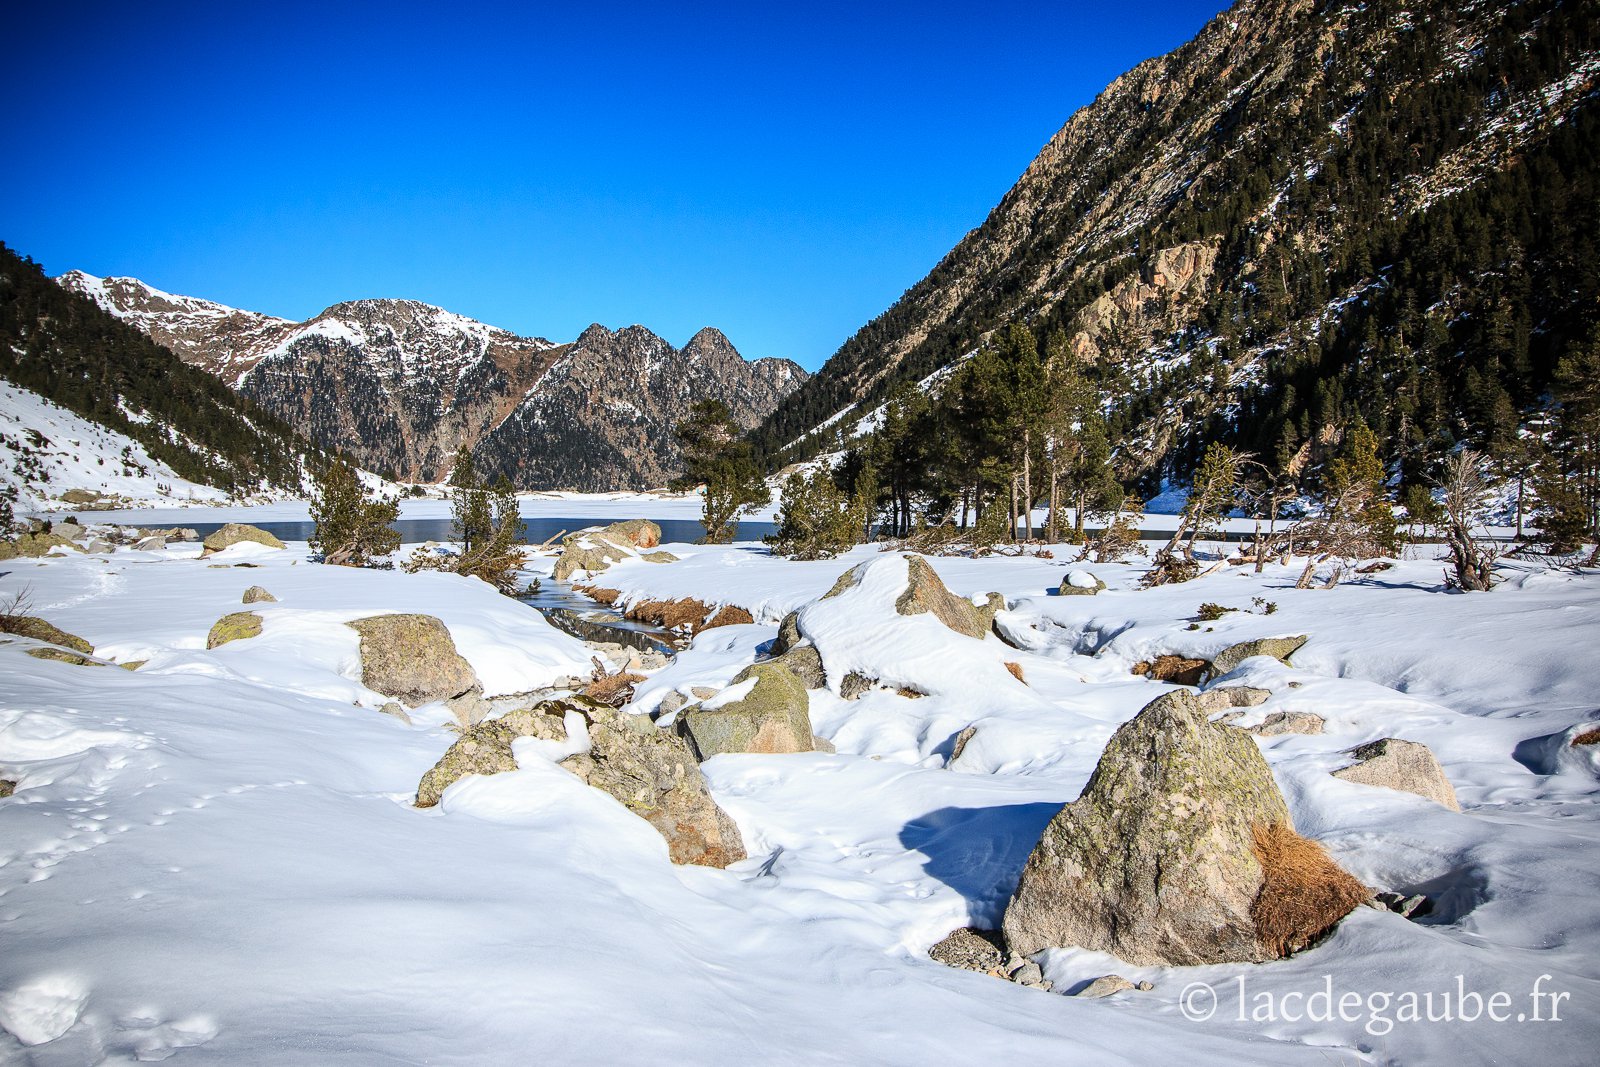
(539, 529)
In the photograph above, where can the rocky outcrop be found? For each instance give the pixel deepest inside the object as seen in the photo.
(647, 769)
(34, 545)
(235, 533)
(1159, 860)
(412, 658)
(239, 626)
(925, 593)
(1404, 765)
(773, 716)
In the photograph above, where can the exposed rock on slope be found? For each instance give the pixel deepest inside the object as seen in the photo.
(400, 385)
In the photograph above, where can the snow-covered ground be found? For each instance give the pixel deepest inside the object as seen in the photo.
(215, 856)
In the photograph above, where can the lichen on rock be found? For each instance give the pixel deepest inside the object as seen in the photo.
(773, 717)
(411, 658)
(239, 626)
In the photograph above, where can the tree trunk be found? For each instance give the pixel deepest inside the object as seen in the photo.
(1027, 482)
(1054, 528)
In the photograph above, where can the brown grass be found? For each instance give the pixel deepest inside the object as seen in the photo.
(613, 689)
(595, 592)
(1016, 671)
(729, 615)
(1173, 669)
(1588, 737)
(673, 614)
(1304, 894)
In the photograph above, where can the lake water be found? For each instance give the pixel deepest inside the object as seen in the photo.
(539, 529)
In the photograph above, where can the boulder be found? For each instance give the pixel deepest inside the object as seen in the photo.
(653, 773)
(806, 664)
(593, 551)
(153, 543)
(925, 593)
(486, 749)
(1278, 723)
(69, 529)
(237, 533)
(7, 787)
(788, 634)
(1080, 583)
(236, 627)
(772, 717)
(61, 655)
(1104, 986)
(970, 949)
(1403, 765)
(411, 658)
(1279, 648)
(1157, 862)
(1231, 696)
(257, 595)
(39, 630)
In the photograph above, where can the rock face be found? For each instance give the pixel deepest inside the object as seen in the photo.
(1404, 765)
(36, 628)
(412, 658)
(239, 626)
(1144, 158)
(773, 717)
(649, 770)
(399, 385)
(1156, 862)
(236, 533)
(1279, 648)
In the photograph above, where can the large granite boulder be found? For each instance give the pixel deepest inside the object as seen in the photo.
(35, 545)
(649, 770)
(771, 716)
(1159, 861)
(235, 533)
(592, 551)
(1279, 648)
(238, 626)
(411, 658)
(36, 628)
(1403, 765)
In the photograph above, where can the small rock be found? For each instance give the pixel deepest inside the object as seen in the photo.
(257, 595)
(1145, 986)
(1404, 765)
(236, 627)
(1278, 723)
(396, 709)
(7, 787)
(702, 692)
(1231, 696)
(969, 949)
(1028, 974)
(1080, 583)
(854, 684)
(959, 745)
(822, 744)
(1104, 986)
(153, 543)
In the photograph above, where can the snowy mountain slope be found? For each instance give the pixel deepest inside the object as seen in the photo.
(400, 385)
(47, 452)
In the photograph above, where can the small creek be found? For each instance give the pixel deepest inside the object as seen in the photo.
(589, 620)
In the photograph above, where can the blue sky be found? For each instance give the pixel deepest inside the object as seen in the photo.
(780, 171)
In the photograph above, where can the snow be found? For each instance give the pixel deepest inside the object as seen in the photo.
(46, 449)
(215, 857)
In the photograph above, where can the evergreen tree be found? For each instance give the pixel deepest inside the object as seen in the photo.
(352, 528)
(816, 519)
(717, 458)
(1568, 474)
(472, 519)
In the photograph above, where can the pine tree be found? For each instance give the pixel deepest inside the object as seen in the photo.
(717, 458)
(1568, 473)
(816, 520)
(352, 529)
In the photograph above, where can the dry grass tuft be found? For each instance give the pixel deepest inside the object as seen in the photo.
(595, 592)
(613, 689)
(729, 615)
(1588, 737)
(673, 614)
(1175, 669)
(1016, 671)
(1304, 894)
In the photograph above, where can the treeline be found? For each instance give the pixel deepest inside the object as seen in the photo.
(67, 349)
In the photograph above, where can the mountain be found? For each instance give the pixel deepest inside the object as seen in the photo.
(1313, 212)
(399, 385)
(143, 416)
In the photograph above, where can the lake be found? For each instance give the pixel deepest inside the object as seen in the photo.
(539, 529)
